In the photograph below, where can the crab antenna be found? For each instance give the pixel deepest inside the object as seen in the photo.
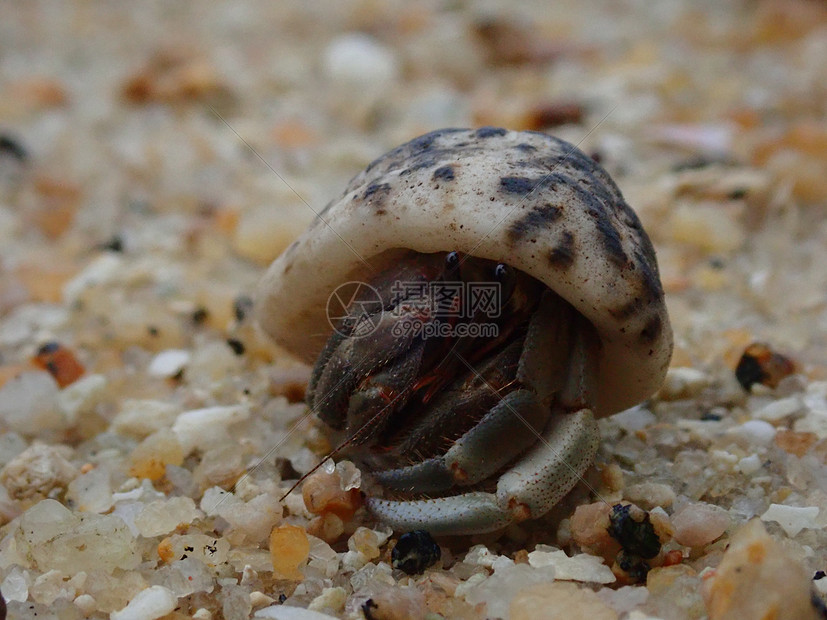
(343, 445)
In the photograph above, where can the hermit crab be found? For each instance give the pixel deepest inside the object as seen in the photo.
(501, 295)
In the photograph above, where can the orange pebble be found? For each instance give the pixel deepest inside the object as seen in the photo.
(60, 362)
(322, 493)
(796, 443)
(289, 548)
(165, 550)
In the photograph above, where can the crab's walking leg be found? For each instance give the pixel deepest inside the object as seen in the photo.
(567, 447)
(529, 489)
(550, 470)
(471, 513)
(482, 451)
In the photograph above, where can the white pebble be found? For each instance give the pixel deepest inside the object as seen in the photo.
(683, 382)
(349, 475)
(154, 602)
(360, 59)
(16, 584)
(581, 567)
(330, 598)
(203, 428)
(815, 421)
(754, 433)
(792, 519)
(286, 612)
(634, 419)
(55, 538)
(81, 396)
(28, 403)
(102, 270)
(87, 604)
(709, 137)
(29, 322)
(169, 363)
(38, 470)
(92, 491)
(749, 464)
(163, 516)
(626, 600)
(354, 560)
(141, 418)
(260, 599)
(480, 555)
(779, 409)
(639, 615)
(648, 495)
(500, 588)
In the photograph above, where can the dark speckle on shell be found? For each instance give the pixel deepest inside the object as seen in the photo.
(376, 193)
(562, 255)
(444, 173)
(376, 188)
(652, 329)
(521, 186)
(650, 280)
(537, 218)
(490, 132)
(610, 238)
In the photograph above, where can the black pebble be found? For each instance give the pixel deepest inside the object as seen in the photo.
(13, 147)
(115, 244)
(636, 537)
(242, 306)
(236, 345)
(200, 315)
(415, 552)
(49, 347)
(633, 565)
(749, 372)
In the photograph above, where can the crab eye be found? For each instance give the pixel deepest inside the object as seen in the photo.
(505, 276)
(452, 261)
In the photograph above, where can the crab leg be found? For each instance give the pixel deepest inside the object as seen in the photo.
(567, 447)
(480, 452)
(550, 470)
(377, 396)
(530, 489)
(550, 330)
(563, 453)
(471, 513)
